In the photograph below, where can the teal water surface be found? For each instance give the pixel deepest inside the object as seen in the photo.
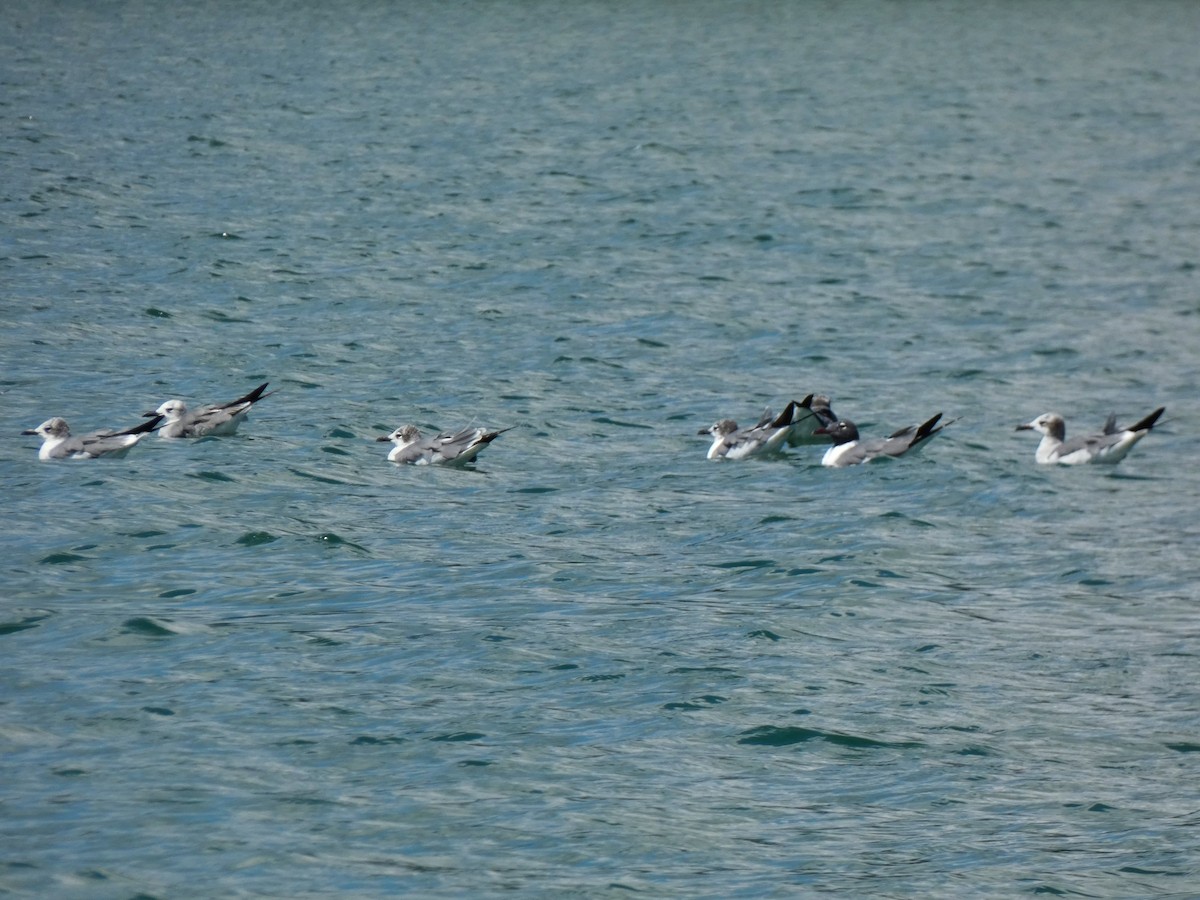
(597, 664)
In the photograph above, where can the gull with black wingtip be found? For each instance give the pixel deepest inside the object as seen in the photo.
(448, 448)
(1109, 446)
(850, 450)
(767, 436)
(211, 420)
(57, 442)
(811, 414)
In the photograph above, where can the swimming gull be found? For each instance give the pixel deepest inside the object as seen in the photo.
(849, 450)
(811, 414)
(57, 442)
(213, 419)
(1109, 446)
(448, 448)
(767, 436)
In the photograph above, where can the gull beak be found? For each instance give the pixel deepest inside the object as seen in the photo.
(380, 440)
(1025, 427)
(29, 431)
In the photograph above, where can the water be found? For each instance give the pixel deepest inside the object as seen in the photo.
(276, 665)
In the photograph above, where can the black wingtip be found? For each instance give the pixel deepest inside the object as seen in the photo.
(257, 394)
(147, 426)
(492, 435)
(1147, 423)
(785, 418)
(927, 428)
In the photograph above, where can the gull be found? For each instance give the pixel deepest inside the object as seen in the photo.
(1109, 446)
(812, 413)
(767, 436)
(448, 448)
(849, 450)
(57, 442)
(222, 419)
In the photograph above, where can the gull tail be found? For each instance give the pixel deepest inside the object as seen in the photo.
(144, 428)
(786, 417)
(1147, 423)
(927, 428)
(254, 396)
(489, 436)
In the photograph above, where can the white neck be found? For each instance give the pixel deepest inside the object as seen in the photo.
(834, 453)
(1047, 448)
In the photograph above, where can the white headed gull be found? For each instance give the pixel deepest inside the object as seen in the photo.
(730, 442)
(849, 450)
(1109, 446)
(812, 413)
(57, 442)
(214, 419)
(448, 448)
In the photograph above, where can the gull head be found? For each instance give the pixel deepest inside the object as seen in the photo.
(1049, 424)
(720, 428)
(841, 432)
(173, 410)
(51, 429)
(402, 436)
